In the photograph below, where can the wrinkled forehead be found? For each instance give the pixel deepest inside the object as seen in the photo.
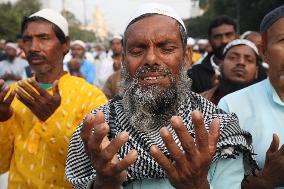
(140, 26)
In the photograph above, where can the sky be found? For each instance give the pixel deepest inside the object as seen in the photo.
(115, 12)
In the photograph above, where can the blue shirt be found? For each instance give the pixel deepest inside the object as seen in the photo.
(261, 112)
(88, 70)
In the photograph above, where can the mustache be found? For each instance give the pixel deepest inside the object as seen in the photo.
(144, 69)
(35, 55)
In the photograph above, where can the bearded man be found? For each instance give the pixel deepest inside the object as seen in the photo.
(136, 141)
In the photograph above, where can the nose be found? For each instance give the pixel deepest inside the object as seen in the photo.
(225, 40)
(151, 57)
(34, 47)
(241, 61)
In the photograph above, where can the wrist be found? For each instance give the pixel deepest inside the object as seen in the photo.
(102, 183)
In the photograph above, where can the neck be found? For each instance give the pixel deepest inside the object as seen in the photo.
(49, 77)
(117, 56)
(280, 94)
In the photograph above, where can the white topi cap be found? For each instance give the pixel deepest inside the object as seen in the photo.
(12, 45)
(155, 8)
(237, 42)
(78, 42)
(53, 17)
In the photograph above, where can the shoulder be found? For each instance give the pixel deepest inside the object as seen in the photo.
(247, 94)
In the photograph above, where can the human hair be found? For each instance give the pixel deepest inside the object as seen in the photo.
(182, 31)
(220, 20)
(58, 32)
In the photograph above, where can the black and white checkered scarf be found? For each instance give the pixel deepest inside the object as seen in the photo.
(233, 140)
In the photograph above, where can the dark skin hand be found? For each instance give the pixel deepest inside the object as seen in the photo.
(190, 166)
(5, 103)
(40, 102)
(189, 169)
(271, 176)
(10, 76)
(110, 172)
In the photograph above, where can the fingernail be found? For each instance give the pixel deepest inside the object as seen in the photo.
(124, 135)
(163, 131)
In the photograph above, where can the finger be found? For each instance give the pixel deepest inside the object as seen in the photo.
(214, 134)
(10, 98)
(24, 98)
(171, 145)
(162, 160)
(98, 139)
(3, 93)
(2, 82)
(274, 144)
(87, 127)
(110, 151)
(28, 89)
(183, 135)
(127, 161)
(201, 134)
(55, 89)
(37, 86)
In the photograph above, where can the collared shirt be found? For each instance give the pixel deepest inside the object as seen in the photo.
(261, 112)
(145, 172)
(34, 151)
(16, 67)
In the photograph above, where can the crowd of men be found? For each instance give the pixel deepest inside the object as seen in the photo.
(157, 110)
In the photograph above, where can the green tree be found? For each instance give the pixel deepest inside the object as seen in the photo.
(247, 13)
(11, 16)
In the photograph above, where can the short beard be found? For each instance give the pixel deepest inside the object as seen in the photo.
(151, 107)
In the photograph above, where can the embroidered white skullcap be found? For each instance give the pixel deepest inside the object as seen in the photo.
(12, 45)
(78, 42)
(202, 42)
(54, 17)
(237, 42)
(116, 36)
(190, 41)
(155, 8)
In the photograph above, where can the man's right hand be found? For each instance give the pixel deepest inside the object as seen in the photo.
(273, 169)
(5, 103)
(110, 172)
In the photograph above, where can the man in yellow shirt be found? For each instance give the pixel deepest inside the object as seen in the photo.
(39, 115)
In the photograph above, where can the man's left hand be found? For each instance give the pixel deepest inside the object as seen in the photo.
(191, 163)
(40, 102)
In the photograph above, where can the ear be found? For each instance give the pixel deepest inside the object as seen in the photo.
(66, 45)
(263, 50)
(256, 72)
(188, 58)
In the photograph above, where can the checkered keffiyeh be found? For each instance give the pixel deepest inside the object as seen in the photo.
(233, 140)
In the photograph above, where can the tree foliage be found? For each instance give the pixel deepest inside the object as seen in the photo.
(11, 16)
(248, 14)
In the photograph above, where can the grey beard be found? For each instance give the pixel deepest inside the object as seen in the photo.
(151, 107)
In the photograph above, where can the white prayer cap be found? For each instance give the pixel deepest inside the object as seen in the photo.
(190, 41)
(155, 8)
(12, 45)
(54, 17)
(202, 42)
(78, 42)
(237, 42)
(116, 36)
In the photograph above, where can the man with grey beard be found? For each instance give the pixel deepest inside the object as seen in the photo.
(157, 133)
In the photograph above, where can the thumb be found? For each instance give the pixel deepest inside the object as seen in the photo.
(55, 89)
(274, 144)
